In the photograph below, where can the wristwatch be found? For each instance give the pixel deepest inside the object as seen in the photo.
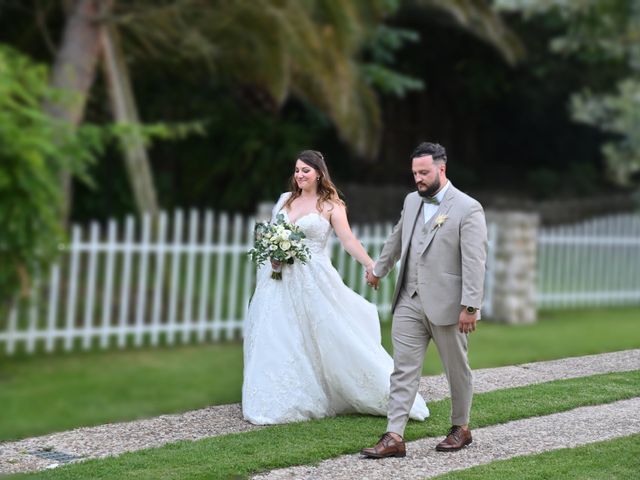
(471, 309)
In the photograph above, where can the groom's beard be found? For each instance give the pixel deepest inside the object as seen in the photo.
(431, 190)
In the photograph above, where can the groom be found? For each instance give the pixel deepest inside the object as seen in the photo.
(441, 241)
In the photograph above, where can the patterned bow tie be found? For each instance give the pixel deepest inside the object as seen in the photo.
(431, 200)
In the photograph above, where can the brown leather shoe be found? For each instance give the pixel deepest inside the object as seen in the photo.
(387, 446)
(457, 438)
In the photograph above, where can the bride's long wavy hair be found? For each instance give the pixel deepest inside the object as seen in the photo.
(327, 191)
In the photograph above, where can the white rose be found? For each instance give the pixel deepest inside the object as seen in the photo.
(273, 247)
(285, 245)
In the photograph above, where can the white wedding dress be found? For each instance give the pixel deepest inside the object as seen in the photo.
(312, 345)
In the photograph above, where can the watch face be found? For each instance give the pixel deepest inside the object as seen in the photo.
(471, 310)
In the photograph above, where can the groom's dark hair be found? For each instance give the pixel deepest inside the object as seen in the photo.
(436, 150)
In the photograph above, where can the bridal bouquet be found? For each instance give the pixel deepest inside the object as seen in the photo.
(281, 241)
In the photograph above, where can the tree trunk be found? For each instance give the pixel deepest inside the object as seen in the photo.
(74, 69)
(124, 109)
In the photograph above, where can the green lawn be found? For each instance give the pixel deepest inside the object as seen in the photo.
(51, 393)
(614, 459)
(239, 455)
(44, 394)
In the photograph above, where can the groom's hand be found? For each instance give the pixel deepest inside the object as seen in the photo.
(372, 280)
(467, 321)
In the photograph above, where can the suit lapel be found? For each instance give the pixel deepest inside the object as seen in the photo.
(444, 208)
(410, 220)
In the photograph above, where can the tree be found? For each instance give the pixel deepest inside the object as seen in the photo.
(333, 56)
(125, 112)
(601, 32)
(270, 50)
(330, 54)
(35, 149)
(74, 71)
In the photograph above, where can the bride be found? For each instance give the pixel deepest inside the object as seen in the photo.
(312, 345)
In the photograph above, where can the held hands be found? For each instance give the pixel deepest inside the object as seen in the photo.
(467, 321)
(275, 264)
(372, 280)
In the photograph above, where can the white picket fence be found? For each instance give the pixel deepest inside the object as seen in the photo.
(593, 263)
(142, 285)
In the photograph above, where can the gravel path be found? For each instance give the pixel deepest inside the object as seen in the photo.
(117, 438)
(533, 435)
(490, 379)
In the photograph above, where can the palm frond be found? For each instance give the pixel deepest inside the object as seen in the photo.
(305, 48)
(479, 18)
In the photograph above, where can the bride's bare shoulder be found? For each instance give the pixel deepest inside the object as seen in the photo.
(337, 206)
(331, 205)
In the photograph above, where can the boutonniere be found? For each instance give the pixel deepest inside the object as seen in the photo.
(440, 219)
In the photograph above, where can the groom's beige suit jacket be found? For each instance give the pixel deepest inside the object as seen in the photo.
(452, 261)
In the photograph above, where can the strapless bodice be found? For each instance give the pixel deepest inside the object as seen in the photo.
(316, 228)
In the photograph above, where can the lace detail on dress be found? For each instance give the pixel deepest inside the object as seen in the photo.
(317, 230)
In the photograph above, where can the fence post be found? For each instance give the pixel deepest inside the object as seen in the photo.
(514, 276)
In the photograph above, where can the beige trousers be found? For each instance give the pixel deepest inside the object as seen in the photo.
(411, 334)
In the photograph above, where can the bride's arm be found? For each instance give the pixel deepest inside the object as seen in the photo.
(348, 240)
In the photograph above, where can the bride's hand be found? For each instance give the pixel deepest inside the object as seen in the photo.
(275, 264)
